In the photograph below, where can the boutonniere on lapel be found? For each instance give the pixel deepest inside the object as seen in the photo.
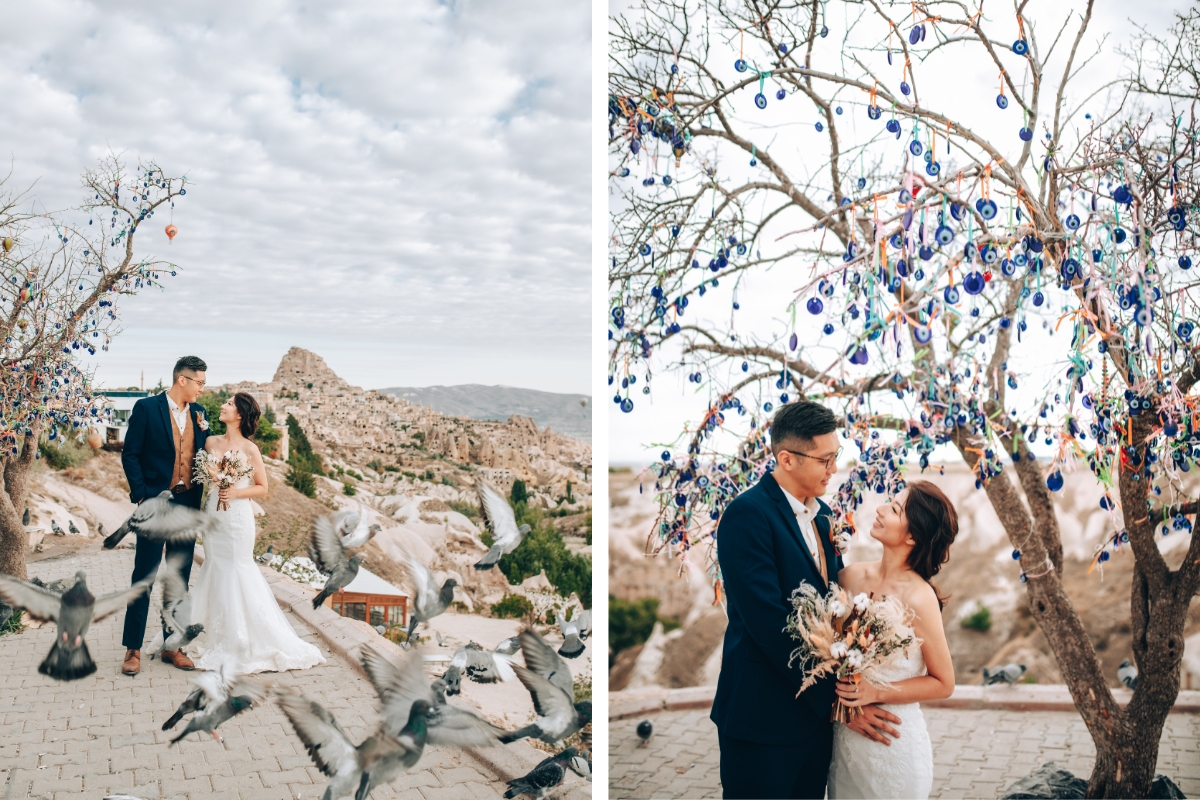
(202, 420)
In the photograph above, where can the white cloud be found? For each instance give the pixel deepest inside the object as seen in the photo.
(403, 187)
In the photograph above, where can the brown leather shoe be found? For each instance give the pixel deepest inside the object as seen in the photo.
(176, 658)
(133, 662)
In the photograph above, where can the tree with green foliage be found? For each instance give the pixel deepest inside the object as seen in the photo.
(267, 437)
(519, 493)
(301, 455)
(631, 623)
(212, 402)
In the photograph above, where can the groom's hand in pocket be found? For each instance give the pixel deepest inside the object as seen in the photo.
(872, 723)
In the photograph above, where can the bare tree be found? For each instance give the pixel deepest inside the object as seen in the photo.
(923, 249)
(59, 287)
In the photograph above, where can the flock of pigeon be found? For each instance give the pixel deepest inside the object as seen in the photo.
(414, 711)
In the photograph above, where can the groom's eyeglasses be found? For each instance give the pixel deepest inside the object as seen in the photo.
(201, 384)
(830, 462)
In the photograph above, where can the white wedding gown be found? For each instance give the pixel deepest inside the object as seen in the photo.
(244, 628)
(862, 768)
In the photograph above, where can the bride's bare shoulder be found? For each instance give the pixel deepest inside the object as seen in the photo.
(852, 576)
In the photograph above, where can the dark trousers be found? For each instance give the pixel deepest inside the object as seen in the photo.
(755, 771)
(146, 559)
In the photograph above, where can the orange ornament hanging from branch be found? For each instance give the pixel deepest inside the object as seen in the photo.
(171, 231)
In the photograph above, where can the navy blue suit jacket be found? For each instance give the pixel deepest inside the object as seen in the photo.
(148, 454)
(763, 560)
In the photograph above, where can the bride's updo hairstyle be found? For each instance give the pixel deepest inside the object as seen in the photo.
(248, 408)
(933, 525)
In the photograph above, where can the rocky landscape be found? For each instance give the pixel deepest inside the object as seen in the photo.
(569, 413)
(980, 574)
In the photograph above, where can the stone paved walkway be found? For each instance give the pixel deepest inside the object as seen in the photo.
(977, 753)
(102, 734)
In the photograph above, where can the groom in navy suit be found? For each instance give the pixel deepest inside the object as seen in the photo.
(771, 538)
(165, 433)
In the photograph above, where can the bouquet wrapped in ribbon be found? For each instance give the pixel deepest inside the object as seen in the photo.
(846, 636)
(221, 472)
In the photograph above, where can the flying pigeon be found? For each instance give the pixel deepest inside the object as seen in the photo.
(74, 610)
(55, 528)
(353, 529)
(355, 770)
(572, 646)
(549, 682)
(441, 642)
(1009, 673)
(265, 558)
(177, 609)
(503, 523)
(1128, 674)
(584, 620)
(399, 686)
(71, 527)
(509, 647)
(545, 776)
(225, 696)
(25, 517)
(329, 556)
(195, 701)
(428, 599)
(645, 730)
(453, 680)
(161, 520)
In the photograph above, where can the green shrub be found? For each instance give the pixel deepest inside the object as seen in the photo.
(375, 464)
(630, 623)
(391, 468)
(302, 482)
(430, 474)
(301, 455)
(513, 606)
(468, 510)
(267, 437)
(13, 623)
(979, 620)
(349, 490)
(519, 493)
(65, 451)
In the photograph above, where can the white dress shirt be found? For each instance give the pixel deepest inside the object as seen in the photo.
(178, 414)
(806, 515)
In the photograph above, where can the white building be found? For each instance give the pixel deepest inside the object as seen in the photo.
(119, 402)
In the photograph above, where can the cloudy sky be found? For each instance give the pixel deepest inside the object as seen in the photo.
(402, 188)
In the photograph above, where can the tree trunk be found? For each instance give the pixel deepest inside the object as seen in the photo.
(14, 483)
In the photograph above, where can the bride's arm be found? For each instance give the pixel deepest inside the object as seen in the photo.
(939, 683)
(259, 487)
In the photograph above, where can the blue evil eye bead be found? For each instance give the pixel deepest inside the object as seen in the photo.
(820, 127)
(919, 275)
(1038, 298)
(1118, 235)
(926, 253)
(754, 162)
(862, 183)
(874, 112)
(623, 173)
(1144, 316)
(1177, 218)
(674, 69)
(922, 333)
(902, 268)
(760, 100)
(740, 65)
(1072, 222)
(973, 283)
(933, 168)
(815, 306)
(914, 35)
(1026, 135)
(986, 208)
(1020, 47)
(1122, 195)
(958, 211)
(783, 48)
(741, 249)
(1008, 267)
(767, 407)
(627, 405)
(667, 179)
(645, 249)
(780, 94)
(859, 355)
(892, 126)
(1097, 255)
(635, 146)
(915, 147)
(895, 241)
(674, 230)
(1185, 262)
(905, 89)
(944, 235)
(824, 31)
(828, 329)
(793, 340)
(1006, 323)
(1035, 244)
(1001, 101)
(666, 455)
(1071, 268)
(838, 111)
(745, 367)
(951, 295)
(1016, 555)
(989, 254)
(1185, 330)
(1023, 578)
(1054, 481)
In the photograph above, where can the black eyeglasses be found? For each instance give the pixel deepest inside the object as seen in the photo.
(201, 384)
(830, 462)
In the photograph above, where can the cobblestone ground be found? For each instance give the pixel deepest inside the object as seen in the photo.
(102, 735)
(976, 753)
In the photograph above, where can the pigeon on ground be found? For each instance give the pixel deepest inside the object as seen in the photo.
(498, 515)
(1009, 673)
(225, 696)
(74, 610)
(265, 558)
(439, 687)
(584, 620)
(55, 528)
(25, 517)
(71, 527)
(545, 776)
(509, 647)
(329, 556)
(177, 609)
(355, 770)
(581, 765)
(645, 730)
(453, 680)
(161, 520)
(401, 685)
(59, 586)
(549, 682)
(572, 646)
(428, 599)
(1128, 674)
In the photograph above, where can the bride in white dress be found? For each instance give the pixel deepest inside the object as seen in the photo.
(916, 530)
(244, 628)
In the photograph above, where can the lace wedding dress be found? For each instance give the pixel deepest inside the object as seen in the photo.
(244, 628)
(862, 768)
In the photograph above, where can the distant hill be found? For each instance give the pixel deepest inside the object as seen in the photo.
(570, 414)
